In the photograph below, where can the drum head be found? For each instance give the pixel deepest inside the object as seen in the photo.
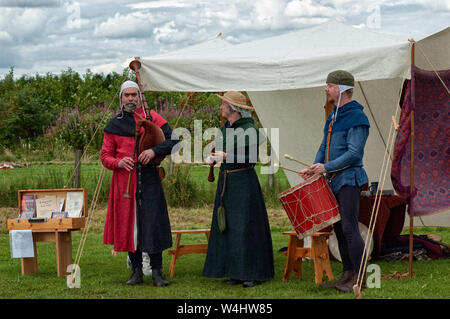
(333, 243)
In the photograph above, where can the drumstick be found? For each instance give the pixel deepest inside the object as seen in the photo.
(289, 157)
(288, 169)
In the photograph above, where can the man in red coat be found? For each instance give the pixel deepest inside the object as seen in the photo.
(140, 223)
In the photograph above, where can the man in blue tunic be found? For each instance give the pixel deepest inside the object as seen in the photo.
(240, 243)
(340, 157)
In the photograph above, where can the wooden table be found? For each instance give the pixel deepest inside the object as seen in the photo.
(57, 230)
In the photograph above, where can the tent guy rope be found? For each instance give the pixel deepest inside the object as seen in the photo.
(378, 195)
(73, 274)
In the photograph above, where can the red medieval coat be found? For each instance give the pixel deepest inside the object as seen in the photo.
(118, 141)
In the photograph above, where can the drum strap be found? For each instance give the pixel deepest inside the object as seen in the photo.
(330, 128)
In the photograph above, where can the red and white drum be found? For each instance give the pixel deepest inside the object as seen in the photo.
(310, 206)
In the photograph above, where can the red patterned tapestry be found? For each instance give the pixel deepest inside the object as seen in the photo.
(429, 98)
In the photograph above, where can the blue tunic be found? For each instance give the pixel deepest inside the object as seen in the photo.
(348, 138)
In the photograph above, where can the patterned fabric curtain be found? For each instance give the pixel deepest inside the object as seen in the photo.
(428, 97)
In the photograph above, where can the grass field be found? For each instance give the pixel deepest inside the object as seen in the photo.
(47, 176)
(103, 275)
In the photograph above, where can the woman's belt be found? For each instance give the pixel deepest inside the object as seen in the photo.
(227, 171)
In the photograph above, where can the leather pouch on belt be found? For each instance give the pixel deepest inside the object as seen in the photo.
(161, 173)
(221, 219)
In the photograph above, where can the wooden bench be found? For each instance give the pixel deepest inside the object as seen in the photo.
(318, 252)
(180, 250)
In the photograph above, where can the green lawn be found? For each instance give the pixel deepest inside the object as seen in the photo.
(103, 276)
(49, 176)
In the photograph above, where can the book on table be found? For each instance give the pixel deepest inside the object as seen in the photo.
(46, 205)
(28, 208)
(36, 207)
(74, 204)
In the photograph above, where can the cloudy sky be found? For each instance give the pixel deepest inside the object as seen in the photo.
(40, 36)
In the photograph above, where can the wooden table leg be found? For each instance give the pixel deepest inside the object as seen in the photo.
(30, 265)
(63, 242)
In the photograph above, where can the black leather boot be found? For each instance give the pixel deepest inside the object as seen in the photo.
(158, 278)
(233, 282)
(348, 286)
(251, 283)
(136, 277)
(347, 275)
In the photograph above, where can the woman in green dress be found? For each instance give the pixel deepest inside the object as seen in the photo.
(240, 243)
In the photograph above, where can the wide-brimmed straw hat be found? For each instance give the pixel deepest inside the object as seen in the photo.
(235, 98)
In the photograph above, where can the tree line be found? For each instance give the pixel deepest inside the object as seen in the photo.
(53, 112)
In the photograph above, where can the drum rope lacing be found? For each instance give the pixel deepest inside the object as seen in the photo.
(307, 214)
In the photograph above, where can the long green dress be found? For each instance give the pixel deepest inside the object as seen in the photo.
(244, 250)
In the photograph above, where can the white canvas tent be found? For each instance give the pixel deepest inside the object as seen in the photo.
(285, 79)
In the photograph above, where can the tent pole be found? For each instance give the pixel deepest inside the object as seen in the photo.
(411, 215)
(411, 172)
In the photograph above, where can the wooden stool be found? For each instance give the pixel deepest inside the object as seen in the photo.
(318, 252)
(180, 250)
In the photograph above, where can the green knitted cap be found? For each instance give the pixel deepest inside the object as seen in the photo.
(341, 77)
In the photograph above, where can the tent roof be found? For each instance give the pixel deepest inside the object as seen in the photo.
(294, 60)
(285, 76)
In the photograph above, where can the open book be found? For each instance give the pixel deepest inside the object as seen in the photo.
(74, 204)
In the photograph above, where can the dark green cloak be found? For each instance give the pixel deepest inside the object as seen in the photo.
(244, 250)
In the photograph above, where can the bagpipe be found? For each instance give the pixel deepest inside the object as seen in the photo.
(152, 135)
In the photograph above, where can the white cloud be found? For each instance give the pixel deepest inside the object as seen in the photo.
(135, 24)
(169, 33)
(4, 36)
(306, 8)
(23, 24)
(434, 5)
(269, 13)
(159, 4)
(110, 31)
(108, 67)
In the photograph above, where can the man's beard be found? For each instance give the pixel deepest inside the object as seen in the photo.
(330, 99)
(130, 107)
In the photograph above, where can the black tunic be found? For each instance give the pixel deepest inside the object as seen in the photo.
(154, 232)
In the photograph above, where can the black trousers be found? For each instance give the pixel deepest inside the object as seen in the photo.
(350, 242)
(136, 260)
